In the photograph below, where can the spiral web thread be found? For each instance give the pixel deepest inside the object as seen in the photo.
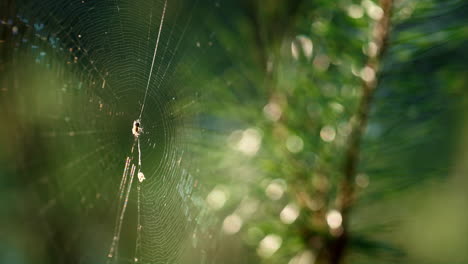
(115, 57)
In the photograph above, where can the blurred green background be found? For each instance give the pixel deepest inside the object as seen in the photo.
(247, 127)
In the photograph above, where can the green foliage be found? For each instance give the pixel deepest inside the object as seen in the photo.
(300, 110)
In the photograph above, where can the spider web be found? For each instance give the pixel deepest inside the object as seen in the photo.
(91, 68)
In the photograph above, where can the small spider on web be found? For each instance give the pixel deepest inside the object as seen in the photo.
(137, 130)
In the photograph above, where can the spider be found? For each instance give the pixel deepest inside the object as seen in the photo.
(136, 129)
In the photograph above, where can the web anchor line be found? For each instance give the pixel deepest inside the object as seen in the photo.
(139, 226)
(154, 57)
(125, 188)
(124, 194)
(129, 171)
(113, 252)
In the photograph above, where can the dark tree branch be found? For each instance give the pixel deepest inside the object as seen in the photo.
(337, 247)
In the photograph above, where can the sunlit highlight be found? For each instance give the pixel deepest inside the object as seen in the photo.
(269, 245)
